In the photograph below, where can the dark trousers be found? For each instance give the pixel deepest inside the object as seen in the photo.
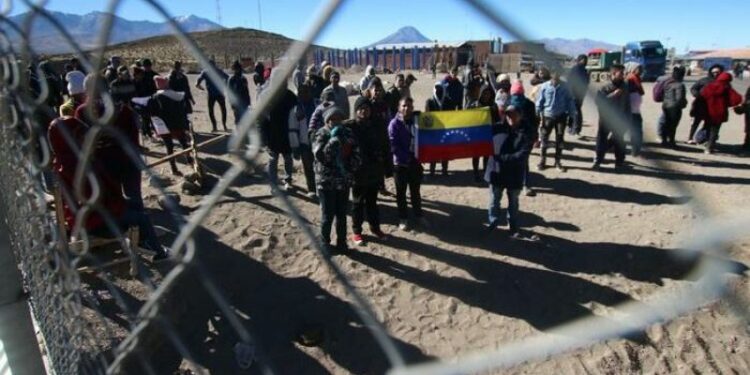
(548, 124)
(526, 173)
(575, 125)
(713, 135)
(408, 177)
(636, 134)
(307, 166)
(672, 118)
(603, 144)
(333, 205)
(475, 166)
(694, 127)
(135, 215)
(365, 201)
(238, 112)
(222, 106)
(184, 141)
(443, 164)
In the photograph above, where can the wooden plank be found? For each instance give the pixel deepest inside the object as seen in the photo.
(187, 150)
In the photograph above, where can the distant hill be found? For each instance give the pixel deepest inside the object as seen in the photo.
(224, 45)
(577, 46)
(85, 30)
(406, 34)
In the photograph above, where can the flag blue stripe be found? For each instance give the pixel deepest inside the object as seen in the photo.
(455, 136)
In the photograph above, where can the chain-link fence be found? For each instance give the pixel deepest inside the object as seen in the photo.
(80, 300)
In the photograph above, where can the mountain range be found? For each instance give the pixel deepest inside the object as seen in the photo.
(85, 30)
(406, 34)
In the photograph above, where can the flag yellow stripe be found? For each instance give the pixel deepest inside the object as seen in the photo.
(455, 119)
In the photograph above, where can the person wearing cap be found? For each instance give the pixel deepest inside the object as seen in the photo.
(438, 102)
(578, 79)
(407, 169)
(276, 133)
(505, 171)
(698, 108)
(613, 104)
(237, 85)
(122, 88)
(373, 148)
(554, 105)
(215, 94)
(527, 111)
(337, 158)
(178, 81)
(341, 97)
(76, 93)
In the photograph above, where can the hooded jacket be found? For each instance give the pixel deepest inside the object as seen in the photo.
(374, 151)
(275, 126)
(506, 166)
(720, 96)
(364, 83)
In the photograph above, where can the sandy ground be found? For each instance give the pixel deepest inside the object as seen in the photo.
(453, 288)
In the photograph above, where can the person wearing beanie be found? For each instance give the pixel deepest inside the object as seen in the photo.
(178, 81)
(340, 94)
(337, 158)
(578, 80)
(237, 85)
(438, 102)
(76, 93)
(528, 126)
(373, 148)
(407, 169)
(215, 94)
(276, 133)
(555, 105)
(719, 96)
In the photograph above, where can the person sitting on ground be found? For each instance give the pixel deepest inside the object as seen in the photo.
(364, 83)
(215, 94)
(373, 147)
(506, 167)
(340, 95)
(178, 81)
(274, 128)
(528, 127)
(675, 99)
(407, 169)
(169, 115)
(336, 158)
(613, 104)
(555, 104)
(719, 96)
(438, 102)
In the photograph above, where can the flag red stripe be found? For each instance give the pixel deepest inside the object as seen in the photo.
(430, 153)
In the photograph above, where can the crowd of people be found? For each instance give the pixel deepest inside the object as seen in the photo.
(352, 151)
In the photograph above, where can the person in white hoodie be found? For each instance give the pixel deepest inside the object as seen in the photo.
(364, 83)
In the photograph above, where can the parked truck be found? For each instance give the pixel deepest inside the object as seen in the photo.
(599, 62)
(650, 54)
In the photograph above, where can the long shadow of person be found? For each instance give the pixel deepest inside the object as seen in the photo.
(542, 298)
(581, 189)
(274, 309)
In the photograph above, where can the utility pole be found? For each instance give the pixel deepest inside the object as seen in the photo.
(260, 17)
(218, 12)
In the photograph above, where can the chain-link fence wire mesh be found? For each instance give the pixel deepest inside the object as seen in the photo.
(79, 334)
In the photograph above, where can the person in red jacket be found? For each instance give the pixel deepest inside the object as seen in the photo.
(719, 96)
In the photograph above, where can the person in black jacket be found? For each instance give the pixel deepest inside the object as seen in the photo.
(179, 82)
(506, 167)
(215, 94)
(373, 148)
(168, 107)
(698, 110)
(578, 79)
(613, 103)
(275, 132)
(237, 84)
(438, 102)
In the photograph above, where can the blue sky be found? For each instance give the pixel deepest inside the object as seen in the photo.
(677, 23)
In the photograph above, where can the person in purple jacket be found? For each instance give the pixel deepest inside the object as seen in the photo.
(407, 169)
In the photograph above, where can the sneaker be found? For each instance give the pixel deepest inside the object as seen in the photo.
(287, 186)
(540, 167)
(342, 249)
(691, 142)
(560, 168)
(596, 165)
(516, 236)
(529, 192)
(357, 239)
(403, 225)
(379, 234)
(311, 194)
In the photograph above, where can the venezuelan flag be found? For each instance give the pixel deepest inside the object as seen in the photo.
(446, 135)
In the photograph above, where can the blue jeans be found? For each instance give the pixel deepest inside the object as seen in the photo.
(273, 166)
(636, 134)
(136, 212)
(334, 204)
(496, 193)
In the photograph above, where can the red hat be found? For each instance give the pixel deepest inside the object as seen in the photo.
(516, 88)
